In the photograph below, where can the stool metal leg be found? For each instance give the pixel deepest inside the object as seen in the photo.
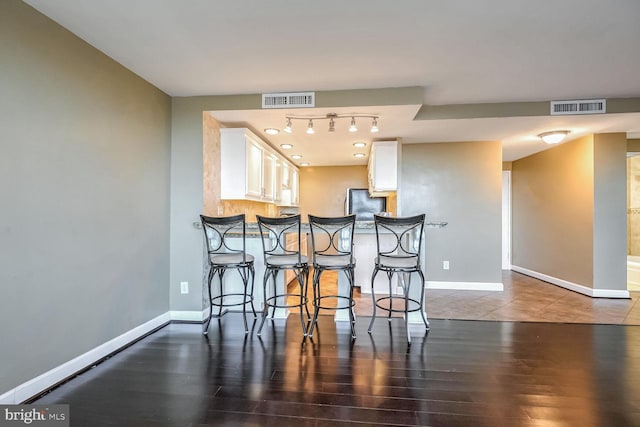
(352, 318)
(252, 272)
(389, 278)
(205, 327)
(300, 275)
(265, 309)
(422, 308)
(373, 297)
(316, 298)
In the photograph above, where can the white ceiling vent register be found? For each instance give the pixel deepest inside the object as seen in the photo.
(289, 100)
(583, 106)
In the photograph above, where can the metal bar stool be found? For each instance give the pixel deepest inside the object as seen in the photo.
(281, 238)
(332, 240)
(226, 249)
(399, 242)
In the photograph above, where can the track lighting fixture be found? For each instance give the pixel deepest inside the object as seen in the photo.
(353, 127)
(287, 128)
(374, 126)
(332, 117)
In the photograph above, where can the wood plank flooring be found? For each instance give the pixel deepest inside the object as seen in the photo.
(462, 373)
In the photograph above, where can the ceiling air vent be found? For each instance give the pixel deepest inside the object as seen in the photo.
(289, 100)
(583, 106)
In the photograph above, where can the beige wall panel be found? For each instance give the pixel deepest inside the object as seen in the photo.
(210, 164)
(633, 205)
(552, 212)
(249, 208)
(323, 189)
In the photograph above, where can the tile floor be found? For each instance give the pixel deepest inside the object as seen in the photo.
(524, 299)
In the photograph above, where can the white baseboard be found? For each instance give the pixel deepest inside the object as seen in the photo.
(189, 316)
(594, 293)
(52, 377)
(465, 286)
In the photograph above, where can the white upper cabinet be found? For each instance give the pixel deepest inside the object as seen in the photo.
(251, 169)
(288, 185)
(383, 168)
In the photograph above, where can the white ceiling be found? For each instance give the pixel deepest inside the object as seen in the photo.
(459, 51)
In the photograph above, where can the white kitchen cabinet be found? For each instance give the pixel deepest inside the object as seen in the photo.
(253, 170)
(247, 166)
(288, 185)
(269, 170)
(383, 168)
(295, 188)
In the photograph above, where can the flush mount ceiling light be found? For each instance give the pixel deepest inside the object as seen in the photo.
(305, 164)
(286, 146)
(359, 155)
(296, 156)
(272, 131)
(333, 117)
(359, 144)
(554, 137)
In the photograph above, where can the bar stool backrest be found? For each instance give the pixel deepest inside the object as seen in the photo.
(218, 232)
(332, 238)
(404, 241)
(281, 237)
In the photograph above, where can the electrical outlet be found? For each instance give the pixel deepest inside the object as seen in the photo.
(445, 265)
(184, 287)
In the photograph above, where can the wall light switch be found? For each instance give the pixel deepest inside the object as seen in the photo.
(445, 265)
(184, 287)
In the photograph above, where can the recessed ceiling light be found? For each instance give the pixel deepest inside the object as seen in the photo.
(272, 131)
(296, 156)
(359, 144)
(305, 164)
(286, 146)
(358, 155)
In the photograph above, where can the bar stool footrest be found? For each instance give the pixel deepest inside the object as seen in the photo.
(351, 305)
(401, 299)
(269, 301)
(247, 299)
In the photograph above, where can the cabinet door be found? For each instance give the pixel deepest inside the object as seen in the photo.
(277, 195)
(268, 176)
(295, 194)
(254, 169)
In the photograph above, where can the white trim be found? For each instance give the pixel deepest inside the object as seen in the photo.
(190, 316)
(506, 220)
(594, 293)
(50, 378)
(465, 286)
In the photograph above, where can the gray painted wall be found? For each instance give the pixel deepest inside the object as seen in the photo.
(610, 211)
(459, 183)
(187, 244)
(84, 184)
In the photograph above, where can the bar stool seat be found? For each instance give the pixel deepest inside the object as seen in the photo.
(225, 254)
(231, 260)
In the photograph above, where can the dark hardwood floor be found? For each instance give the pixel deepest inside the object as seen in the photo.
(462, 373)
